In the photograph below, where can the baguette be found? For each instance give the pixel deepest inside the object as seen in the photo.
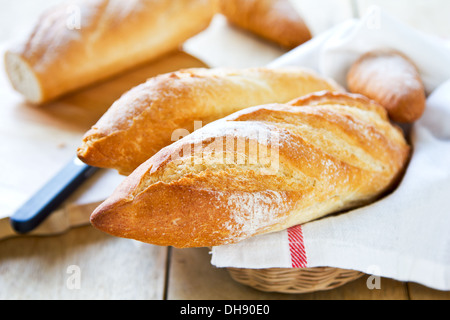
(392, 80)
(274, 20)
(112, 36)
(145, 119)
(214, 187)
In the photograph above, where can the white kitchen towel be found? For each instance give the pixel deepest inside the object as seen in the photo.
(405, 236)
(333, 52)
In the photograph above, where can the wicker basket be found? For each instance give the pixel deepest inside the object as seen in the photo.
(294, 281)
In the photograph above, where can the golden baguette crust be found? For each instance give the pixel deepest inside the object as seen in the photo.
(335, 151)
(112, 36)
(150, 116)
(391, 79)
(274, 20)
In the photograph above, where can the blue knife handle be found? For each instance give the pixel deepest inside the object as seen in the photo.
(52, 195)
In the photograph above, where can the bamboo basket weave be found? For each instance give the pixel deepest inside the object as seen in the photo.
(294, 281)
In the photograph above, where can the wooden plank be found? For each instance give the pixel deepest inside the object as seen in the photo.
(37, 268)
(106, 267)
(192, 277)
(430, 16)
(419, 292)
(358, 290)
(39, 141)
(117, 268)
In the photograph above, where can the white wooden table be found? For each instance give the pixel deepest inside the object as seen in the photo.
(113, 268)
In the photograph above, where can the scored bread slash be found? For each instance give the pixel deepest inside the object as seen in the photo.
(144, 119)
(333, 152)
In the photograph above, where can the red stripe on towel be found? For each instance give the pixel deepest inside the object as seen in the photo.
(297, 247)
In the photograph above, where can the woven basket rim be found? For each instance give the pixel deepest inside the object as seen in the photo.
(294, 281)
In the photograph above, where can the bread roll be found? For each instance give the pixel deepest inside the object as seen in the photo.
(62, 55)
(260, 170)
(150, 116)
(274, 20)
(392, 80)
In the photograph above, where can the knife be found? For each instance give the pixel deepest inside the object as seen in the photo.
(46, 200)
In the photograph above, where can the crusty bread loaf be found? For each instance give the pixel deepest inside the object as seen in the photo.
(150, 116)
(274, 20)
(391, 79)
(260, 170)
(112, 36)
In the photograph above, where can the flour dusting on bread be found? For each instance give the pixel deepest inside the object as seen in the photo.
(215, 203)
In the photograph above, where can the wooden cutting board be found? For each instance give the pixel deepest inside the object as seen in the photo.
(38, 141)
